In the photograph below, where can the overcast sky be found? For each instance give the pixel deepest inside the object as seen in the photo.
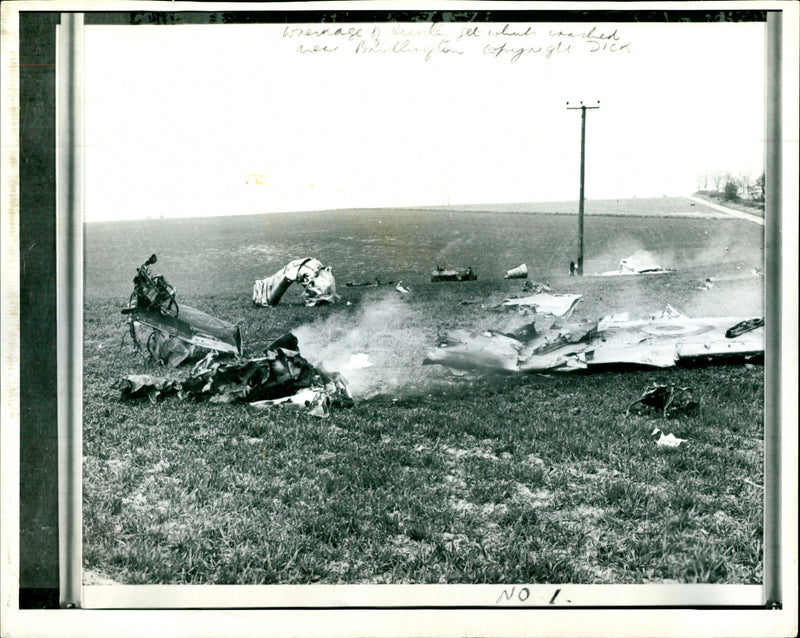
(237, 119)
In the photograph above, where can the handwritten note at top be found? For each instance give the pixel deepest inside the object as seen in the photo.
(510, 42)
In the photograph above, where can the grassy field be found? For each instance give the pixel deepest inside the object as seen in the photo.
(430, 478)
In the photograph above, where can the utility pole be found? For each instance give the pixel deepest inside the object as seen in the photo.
(583, 108)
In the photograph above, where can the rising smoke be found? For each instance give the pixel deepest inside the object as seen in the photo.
(386, 331)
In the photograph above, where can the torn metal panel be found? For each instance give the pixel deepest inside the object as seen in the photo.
(170, 350)
(564, 337)
(560, 305)
(453, 274)
(319, 285)
(465, 350)
(662, 355)
(673, 337)
(660, 341)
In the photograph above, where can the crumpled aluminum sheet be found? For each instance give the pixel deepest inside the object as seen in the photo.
(317, 280)
(269, 380)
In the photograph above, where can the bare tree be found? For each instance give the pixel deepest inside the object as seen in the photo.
(745, 180)
(718, 177)
(702, 180)
(758, 188)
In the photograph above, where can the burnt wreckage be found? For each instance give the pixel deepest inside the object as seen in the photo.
(177, 329)
(181, 333)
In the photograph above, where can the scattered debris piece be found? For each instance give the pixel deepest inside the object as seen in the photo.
(276, 378)
(706, 285)
(367, 284)
(529, 286)
(552, 304)
(441, 273)
(667, 440)
(400, 288)
(520, 272)
(667, 400)
(744, 326)
(640, 263)
(138, 386)
(319, 285)
(153, 304)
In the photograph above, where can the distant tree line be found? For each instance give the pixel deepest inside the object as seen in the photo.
(732, 187)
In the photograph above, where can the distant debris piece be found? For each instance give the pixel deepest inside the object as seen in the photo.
(707, 285)
(400, 288)
(744, 326)
(757, 272)
(520, 272)
(640, 263)
(319, 285)
(367, 284)
(530, 286)
(453, 274)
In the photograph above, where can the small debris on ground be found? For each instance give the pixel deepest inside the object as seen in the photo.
(666, 440)
(666, 399)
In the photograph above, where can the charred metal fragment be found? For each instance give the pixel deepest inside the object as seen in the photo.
(666, 399)
(153, 304)
(453, 274)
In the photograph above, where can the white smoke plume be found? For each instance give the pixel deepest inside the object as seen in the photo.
(383, 336)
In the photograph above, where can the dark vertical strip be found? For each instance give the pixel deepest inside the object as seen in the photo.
(772, 403)
(69, 298)
(38, 377)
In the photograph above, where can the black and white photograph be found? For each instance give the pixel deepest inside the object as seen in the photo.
(402, 306)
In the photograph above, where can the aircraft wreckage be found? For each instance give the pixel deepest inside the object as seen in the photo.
(441, 273)
(559, 345)
(281, 376)
(181, 334)
(319, 285)
(178, 331)
(640, 263)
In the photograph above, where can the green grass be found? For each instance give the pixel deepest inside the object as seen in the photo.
(432, 478)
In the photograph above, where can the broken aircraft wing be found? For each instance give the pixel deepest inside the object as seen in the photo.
(662, 341)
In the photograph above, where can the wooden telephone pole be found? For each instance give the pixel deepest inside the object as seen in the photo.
(583, 108)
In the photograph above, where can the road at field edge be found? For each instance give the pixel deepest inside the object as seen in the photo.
(729, 211)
